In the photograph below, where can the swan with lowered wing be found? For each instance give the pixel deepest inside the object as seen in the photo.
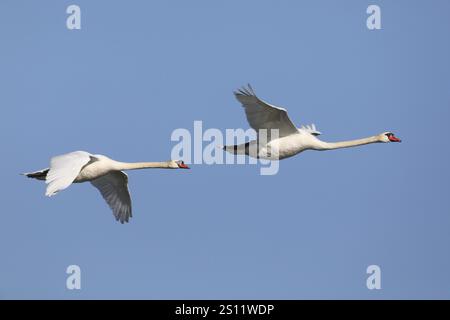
(104, 174)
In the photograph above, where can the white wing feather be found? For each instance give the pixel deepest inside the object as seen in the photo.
(64, 169)
(114, 189)
(311, 129)
(261, 115)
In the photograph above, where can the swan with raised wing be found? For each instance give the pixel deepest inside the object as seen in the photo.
(104, 173)
(281, 138)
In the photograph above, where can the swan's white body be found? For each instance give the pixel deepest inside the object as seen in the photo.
(290, 146)
(289, 140)
(104, 173)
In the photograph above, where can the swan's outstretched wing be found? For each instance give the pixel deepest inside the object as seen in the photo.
(114, 189)
(64, 169)
(261, 115)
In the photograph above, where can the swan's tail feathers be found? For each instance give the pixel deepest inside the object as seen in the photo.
(39, 175)
(249, 148)
(237, 148)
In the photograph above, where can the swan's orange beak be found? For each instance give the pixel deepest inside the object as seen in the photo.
(393, 138)
(183, 166)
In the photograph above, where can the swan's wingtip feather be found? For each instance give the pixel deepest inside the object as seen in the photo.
(311, 128)
(245, 91)
(50, 192)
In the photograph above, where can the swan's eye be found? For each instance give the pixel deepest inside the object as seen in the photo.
(389, 134)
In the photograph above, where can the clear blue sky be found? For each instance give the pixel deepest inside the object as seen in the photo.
(137, 70)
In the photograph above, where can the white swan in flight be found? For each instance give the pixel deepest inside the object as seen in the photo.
(104, 173)
(291, 140)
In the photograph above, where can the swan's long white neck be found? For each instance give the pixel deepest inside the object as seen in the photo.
(346, 144)
(141, 165)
